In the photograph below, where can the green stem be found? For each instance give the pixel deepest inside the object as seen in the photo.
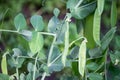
(51, 50)
(106, 65)
(17, 73)
(75, 41)
(43, 76)
(12, 31)
(35, 67)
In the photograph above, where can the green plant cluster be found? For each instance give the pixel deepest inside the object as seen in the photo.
(70, 49)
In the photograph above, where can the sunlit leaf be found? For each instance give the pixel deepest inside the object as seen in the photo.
(37, 22)
(96, 27)
(20, 22)
(82, 57)
(36, 43)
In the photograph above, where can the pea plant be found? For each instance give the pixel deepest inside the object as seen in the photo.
(74, 46)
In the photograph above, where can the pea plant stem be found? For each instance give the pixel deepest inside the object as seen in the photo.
(35, 66)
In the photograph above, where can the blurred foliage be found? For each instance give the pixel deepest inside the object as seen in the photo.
(8, 10)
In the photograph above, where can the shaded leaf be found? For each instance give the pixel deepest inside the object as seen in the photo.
(92, 66)
(107, 38)
(73, 53)
(20, 22)
(95, 76)
(4, 77)
(37, 22)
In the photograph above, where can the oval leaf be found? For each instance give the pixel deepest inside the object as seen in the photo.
(100, 4)
(4, 65)
(113, 13)
(96, 27)
(83, 11)
(20, 22)
(36, 43)
(82, 57)
(37, 22)
(56, 12)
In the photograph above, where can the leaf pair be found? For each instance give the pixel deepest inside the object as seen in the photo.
(36, 21)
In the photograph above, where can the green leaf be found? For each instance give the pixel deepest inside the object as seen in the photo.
(4, 77)
(107, 38)
(56, 12)
(16, 62)
(100, 4)
(22, 76)
(20, 22)
(4, 65)
(95, 52)
(26, 34)
(95, 76)
(82, 57)
(58, 28)
(96, 27)
(92, 66)
(30, 67)
(83, 11)
(17, 52)
(36, 43)
(74, 53)
(37, 22)
(71, 3)
(113, 13)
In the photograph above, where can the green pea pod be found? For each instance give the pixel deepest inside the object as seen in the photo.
(82, 57)
(4, 65)
(113, 13)
(96, 27)
(100, 4)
